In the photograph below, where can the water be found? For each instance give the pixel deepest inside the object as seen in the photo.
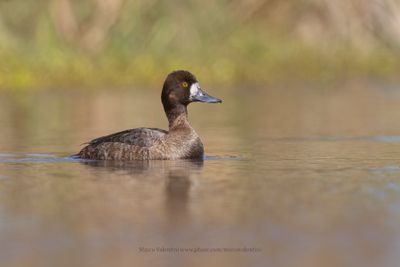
(297, 175)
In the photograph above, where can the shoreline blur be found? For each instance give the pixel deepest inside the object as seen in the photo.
(120, 43)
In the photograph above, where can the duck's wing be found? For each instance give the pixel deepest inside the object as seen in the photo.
(143, 137)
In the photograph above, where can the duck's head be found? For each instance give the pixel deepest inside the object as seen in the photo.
(181, 88)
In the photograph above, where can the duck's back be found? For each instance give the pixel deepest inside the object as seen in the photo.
(126, 145)
(143, 137)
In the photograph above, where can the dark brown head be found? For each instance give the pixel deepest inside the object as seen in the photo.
(181, 88)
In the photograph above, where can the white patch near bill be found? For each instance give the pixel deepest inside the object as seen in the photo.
(194, 89)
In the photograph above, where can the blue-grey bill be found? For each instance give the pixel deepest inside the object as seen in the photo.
(202, 96)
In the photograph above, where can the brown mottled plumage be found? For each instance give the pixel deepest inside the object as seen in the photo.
(180, 142)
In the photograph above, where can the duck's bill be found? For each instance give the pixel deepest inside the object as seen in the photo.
(201, 96)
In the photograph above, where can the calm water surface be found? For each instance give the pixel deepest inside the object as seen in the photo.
(305, 175)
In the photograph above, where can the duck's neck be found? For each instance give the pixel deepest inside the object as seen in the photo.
(177, 117)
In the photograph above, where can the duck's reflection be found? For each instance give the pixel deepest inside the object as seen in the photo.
(178, 187)
(155, 167)
(179, 176)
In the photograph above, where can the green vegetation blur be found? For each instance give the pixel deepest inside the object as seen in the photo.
(96, 43)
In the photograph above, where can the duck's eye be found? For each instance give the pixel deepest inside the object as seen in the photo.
(185, 84)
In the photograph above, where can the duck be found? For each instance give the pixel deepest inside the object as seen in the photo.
(180, 141)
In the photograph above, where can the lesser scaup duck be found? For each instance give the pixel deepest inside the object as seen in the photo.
(180, 142)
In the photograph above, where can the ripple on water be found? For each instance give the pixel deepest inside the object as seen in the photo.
(38, 157)
(222, 158)
(377, 138)
(33, 157)
(385, 169)
(387, 138)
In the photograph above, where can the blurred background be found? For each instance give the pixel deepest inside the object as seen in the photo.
(97, 43)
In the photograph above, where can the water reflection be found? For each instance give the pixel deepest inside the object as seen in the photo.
(179, 176)
(148, 167)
